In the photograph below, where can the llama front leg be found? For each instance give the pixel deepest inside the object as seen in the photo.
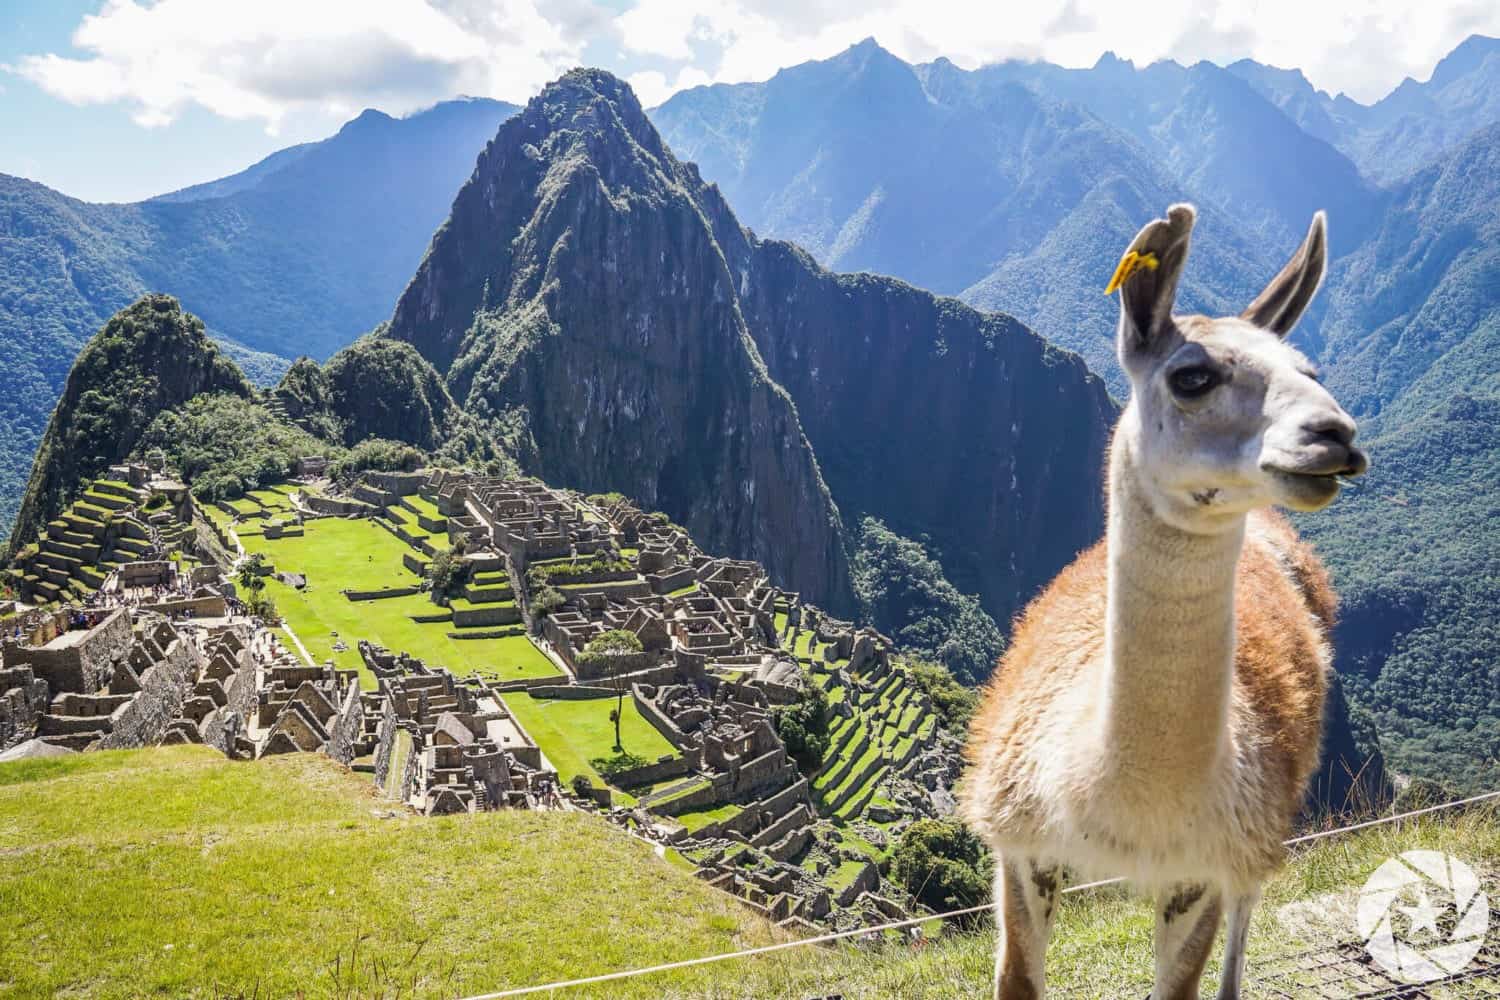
(1025, 902)
(1187, 921)
(1235, 939)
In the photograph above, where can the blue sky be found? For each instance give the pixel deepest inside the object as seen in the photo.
(114, 100)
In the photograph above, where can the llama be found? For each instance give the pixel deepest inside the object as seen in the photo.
(1159, 711)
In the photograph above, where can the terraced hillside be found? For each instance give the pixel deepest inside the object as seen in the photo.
(512, 584)
(112, 522)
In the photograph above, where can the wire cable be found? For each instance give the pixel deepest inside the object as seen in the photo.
(911, 921)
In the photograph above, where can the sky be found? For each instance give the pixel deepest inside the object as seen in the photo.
(117, 100)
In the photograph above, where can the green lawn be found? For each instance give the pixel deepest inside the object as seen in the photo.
(336, 554)
(261, 877)
(173, 872)
(573, 732)
(700, 818)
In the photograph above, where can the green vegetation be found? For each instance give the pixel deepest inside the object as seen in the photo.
(902, 588)
(944, 865)
(227, 446)
(954, 703)
(336, 555)
(574, 732)
(205, 877)
(803, 728)
(148, 358)
(375, 454)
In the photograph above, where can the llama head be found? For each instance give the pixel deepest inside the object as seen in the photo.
(1225, 416)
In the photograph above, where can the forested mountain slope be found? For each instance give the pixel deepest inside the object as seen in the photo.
(599, 302)
(297, 255)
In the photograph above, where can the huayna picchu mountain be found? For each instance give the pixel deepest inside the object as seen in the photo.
(150, 357)
(594, 299)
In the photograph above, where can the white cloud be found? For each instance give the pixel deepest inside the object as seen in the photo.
(1362, 47)
(263, 60)
(266, 59)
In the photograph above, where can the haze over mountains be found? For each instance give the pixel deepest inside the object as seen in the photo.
(299, 254)
(593, 303)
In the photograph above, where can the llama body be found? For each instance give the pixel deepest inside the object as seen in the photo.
(1159, 711)
(1171, 807)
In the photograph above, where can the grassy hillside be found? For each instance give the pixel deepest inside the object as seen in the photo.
(202, 877)
(175, 872)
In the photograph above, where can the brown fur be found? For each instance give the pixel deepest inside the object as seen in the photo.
(1284, 606)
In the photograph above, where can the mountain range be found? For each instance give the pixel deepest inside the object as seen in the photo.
(300, 253)
(593, 306)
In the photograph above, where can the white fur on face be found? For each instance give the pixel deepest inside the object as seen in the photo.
(1257, 438)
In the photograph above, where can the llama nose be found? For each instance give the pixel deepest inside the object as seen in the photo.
(1332, 428)
(1335, 431)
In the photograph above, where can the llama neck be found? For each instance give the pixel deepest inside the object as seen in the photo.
(1169, 631)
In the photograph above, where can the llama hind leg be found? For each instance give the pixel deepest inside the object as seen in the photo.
(1235, 939)
(1187, 921)
(1025, 902)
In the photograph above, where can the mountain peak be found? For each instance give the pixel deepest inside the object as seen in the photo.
(1465, 58)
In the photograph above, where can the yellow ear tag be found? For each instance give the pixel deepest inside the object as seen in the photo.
(1129, 264)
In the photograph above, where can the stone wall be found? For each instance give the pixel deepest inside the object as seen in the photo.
(240, 696)
(385, 741)
(673, 766)
(198, 607)
(590, 668)
(760, 771)
(86, 662)
(374, 496)
(399, 484)
(23, 699)
(699, 798)
(486, 614)
(339, 506)
(658, 718)
(344, 730)
(164, 687)
(377, 595)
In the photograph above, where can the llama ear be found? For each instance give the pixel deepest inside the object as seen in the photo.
(1278, 308)
(1147, 278)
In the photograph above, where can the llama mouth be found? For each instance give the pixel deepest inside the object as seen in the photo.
(1308, 491)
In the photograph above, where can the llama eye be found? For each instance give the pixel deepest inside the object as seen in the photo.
(1193, 382)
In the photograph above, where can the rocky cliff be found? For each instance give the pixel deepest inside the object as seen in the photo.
(595, 296)
(942, 421)
(577, 297)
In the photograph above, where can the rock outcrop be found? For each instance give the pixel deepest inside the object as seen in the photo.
(600, 302)
(577, 298)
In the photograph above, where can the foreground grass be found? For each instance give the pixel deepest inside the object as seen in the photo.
(337, 555)
(173, 872)
(1101, 947)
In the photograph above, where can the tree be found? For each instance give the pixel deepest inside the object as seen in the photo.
(252, 580)
(612, 645)
(803, 728)
(954, 703)
(942, 864)
(250, 574)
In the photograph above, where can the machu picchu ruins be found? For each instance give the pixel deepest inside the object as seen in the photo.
(483, 654)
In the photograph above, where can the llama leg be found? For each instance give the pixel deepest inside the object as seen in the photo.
(1187, 921)
(1025, 901)
(1235, 939)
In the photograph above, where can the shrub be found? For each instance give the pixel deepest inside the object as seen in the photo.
(803, 728)
(954, 703)
(547, 600)
(943, 865)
